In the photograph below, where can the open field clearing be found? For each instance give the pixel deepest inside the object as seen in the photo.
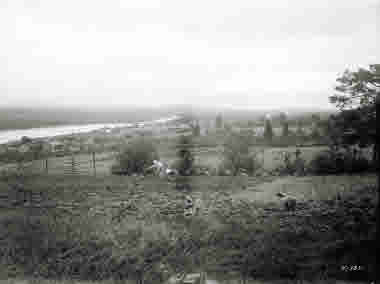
(268, 156)
(107, 208)
(206, 156)
(45, 281)
(251, 188)
(103, 195)
(306, 188)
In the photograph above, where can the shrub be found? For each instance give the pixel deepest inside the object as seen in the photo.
(251, 164)
(325, 163)
(135, 157)
(319, 238)
(290, 163)
(64, 246)
(268, 131)
(184, 164)
(237, 157)
(356, 164)
(338, 161)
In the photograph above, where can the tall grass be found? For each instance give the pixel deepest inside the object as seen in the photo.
(313, 242)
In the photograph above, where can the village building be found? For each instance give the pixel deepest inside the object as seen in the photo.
(73, 148)
(259, 131)
(24, 148)
(57, 146)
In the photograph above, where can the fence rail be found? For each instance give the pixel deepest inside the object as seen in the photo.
(81, 164)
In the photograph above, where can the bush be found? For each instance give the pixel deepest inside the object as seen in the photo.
(291, 163)
(135, 157)
(356, 165)
(251, 164)
(325, 163)
(37, 248)
(237, 156)
(268, 131)
(338, 161)
(184, 164)
(317, 239)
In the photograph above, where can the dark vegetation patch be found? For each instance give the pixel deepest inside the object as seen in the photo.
(256, 240)
(319, 240)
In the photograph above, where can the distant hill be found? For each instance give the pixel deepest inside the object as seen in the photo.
(245, 113)
(22, 118)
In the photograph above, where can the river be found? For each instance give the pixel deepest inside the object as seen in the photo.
(42, 132)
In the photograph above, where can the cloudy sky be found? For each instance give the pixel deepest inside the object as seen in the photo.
(241, 53)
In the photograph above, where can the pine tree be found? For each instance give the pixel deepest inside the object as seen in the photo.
(218, 121)
(300, 132)
(268, 131)
(185, 156)
(285, 129)
(285, 124)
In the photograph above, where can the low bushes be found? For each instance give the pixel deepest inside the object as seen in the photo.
(291, 164)
(135, 157)
(240, 164)
(44, 248)
(328, 162)
(256, 240)
(316, 241)
(237, 157)
(185, 158)
(338, 161)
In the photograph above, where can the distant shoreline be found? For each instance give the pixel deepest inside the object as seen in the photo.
(13, 135)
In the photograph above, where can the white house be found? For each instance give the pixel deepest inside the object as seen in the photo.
(24, 148)
(74, 148)
(57, 146)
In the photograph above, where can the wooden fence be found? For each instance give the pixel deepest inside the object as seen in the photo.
(80, 164)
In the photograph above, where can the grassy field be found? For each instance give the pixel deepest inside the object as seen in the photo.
(206, 156)
(44, 281)
(104, 196)
(158, 205)
(307, 188)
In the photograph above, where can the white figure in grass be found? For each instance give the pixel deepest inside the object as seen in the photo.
(161, 169)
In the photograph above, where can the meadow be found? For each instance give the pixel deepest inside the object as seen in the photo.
(45, 281)
(211, 157)
(82, 222)
(108, 208)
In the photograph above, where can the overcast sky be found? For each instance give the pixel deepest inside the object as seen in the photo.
(240, 53)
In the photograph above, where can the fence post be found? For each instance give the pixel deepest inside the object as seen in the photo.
(73, 168)
(46, 165)
(93, 162)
